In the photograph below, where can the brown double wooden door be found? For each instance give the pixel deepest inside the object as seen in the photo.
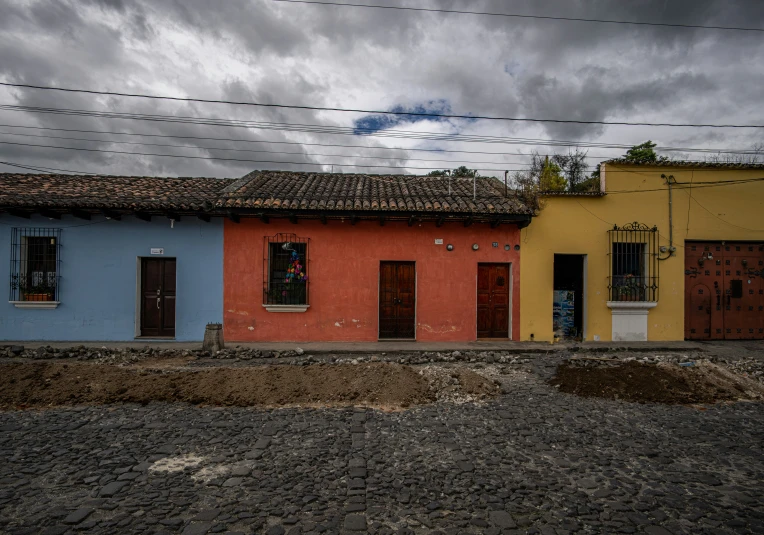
(397, 300)
(158, 297)
(724, 293)
(493, 301)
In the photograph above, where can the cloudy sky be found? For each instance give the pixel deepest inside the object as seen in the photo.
(370, 59)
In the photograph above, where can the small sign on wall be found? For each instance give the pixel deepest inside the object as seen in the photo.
(438, 241)
(157, 250)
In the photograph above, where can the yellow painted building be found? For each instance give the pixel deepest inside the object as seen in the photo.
(685, 263)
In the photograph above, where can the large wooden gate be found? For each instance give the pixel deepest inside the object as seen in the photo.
(724, 292)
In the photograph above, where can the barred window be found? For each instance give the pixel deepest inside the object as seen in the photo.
(285, 270)
(633, 263)
(35, 259)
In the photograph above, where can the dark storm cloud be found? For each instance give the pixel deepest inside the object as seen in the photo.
(263, 51)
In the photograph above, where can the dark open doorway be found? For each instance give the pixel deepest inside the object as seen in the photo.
(568, 307)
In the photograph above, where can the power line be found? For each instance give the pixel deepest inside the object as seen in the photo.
(717, 217)
(311, 163)
(336, 130)
(249, 150)
(377, 112)
(541, 17)
(236, 159)
(239, 140)
(41, 169)
(687, 185)
(196, 147)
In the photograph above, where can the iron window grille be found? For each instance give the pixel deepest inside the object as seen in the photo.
(285, 270)
(633, 263)
(35, 264)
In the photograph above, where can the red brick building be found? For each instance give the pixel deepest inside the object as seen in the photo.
(333, 257)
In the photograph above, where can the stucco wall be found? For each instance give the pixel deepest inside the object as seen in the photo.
(98, 278)
(344, 278)
(579, 225)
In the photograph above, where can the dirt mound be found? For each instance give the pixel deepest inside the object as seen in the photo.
(42, 384)
(651, 383)
(459, 385)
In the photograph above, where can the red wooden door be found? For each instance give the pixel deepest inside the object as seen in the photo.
(731, 275)
(158, 293)
(704, 288)
(493, 301)
(397, 300)
(742, 311)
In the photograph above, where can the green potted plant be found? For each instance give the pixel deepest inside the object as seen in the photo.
(43, 291)
(630, 289)
(40, 292)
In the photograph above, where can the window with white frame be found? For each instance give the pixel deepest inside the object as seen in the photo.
(633, 263)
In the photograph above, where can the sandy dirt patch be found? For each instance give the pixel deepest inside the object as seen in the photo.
(704, 382)
(45, 384)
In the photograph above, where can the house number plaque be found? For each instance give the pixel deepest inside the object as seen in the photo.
(157, 250)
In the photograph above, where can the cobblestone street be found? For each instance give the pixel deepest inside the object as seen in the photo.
(534, 461)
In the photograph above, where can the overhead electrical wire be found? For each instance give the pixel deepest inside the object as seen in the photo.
(239, 140)
(196, 147)
(376, 112)
(42, 169)
(237, 159)
(495, 170)
(521, 16)
(336, 130)
(253, 150)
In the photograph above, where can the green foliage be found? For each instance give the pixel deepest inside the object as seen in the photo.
(459, 172)
(573, 166)
(644, 153)
(551, 178)
(590, 184)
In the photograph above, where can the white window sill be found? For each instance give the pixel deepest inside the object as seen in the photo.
(626, 305)
(35, 304)
(286, 308)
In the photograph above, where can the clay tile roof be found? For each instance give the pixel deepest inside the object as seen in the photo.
(384, 193)
(26, 190)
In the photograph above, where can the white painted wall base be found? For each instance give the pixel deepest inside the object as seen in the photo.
(630, 320)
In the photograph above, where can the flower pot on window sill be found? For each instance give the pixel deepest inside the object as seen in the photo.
(630, 298)
(38, 297)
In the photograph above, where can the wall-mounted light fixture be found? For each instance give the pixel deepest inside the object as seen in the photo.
(506, 247)
(475, 247)
(449, 247)
(517, 247)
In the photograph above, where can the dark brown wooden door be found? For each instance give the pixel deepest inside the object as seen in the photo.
(724, 293)
(397, 296)
(493, 301)
(158, 297)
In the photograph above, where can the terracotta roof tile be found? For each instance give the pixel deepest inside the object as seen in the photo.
(370, 192)
(108, 192)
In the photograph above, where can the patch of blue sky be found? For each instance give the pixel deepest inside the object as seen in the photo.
(376, 122)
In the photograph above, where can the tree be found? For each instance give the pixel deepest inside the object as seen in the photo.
(644, 153)
(591, 183)
(551, 178)
(573, 166)
(459, 172)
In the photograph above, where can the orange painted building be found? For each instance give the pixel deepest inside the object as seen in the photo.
(320, 257)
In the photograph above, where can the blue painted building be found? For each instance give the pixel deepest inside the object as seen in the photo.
(109, 259)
